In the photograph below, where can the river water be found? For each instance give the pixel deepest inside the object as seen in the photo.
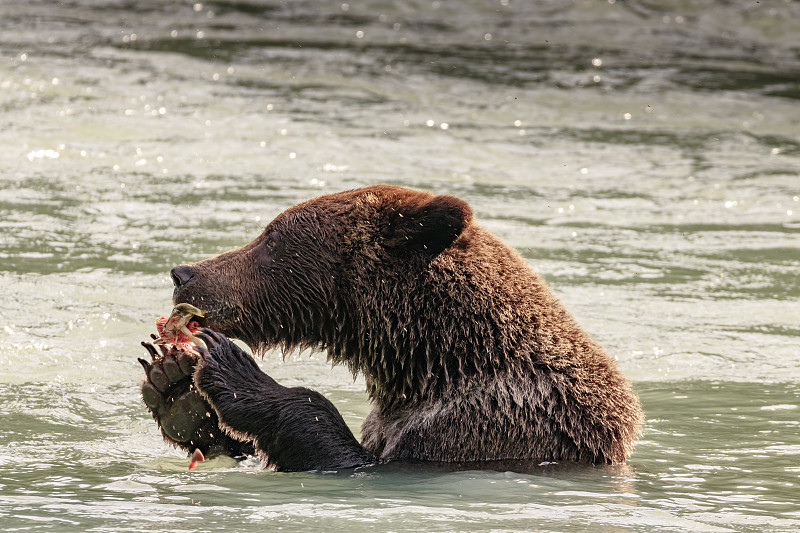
(643, 156)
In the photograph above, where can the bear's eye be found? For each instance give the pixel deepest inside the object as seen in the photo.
(271, 243)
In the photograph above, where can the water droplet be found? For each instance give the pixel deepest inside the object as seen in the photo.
(292, 155)
(198, 7)
(597, 62)
(517, 123)
(430, 123)
(444, 125)
(584, 170)
(200, 34)
(627, 116)
(173, 33)
(359, 34)
(487, 36)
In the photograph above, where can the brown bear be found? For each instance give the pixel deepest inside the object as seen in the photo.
(466, 354)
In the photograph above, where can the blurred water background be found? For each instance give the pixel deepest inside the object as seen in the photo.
(644, 156)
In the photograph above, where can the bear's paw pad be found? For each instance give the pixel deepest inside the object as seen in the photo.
(184, 417)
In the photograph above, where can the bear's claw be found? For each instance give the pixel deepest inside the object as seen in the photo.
(185, 418)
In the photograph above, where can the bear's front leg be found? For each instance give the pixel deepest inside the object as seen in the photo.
(293, 429)
(185, 419)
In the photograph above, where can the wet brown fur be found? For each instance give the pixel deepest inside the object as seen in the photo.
(467, 355)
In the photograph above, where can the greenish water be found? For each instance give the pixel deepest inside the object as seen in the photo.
(643, 156)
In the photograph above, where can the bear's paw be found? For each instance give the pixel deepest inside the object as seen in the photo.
(185, 418)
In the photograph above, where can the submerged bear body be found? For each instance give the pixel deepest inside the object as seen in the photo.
(466, 354)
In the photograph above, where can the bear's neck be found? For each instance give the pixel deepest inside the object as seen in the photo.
(473, 312)
(409, 355)
(409, 373)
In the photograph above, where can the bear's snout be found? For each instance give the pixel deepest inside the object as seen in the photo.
(181, 275)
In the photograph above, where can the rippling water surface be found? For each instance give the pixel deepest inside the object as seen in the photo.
(643, 156)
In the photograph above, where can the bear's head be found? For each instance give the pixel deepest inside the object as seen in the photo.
(328, 273)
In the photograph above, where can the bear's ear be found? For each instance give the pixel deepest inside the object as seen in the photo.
(428, 227)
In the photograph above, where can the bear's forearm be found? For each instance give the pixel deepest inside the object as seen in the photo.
(292, 429)
(297, 429)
